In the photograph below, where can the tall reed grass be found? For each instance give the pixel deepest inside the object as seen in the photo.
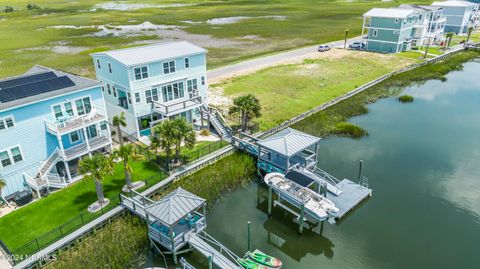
(118, 245)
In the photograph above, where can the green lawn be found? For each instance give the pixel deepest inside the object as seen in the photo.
(33, 220)
(28, 37)
(289, 90)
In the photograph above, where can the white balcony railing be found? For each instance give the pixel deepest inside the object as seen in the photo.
(70, 123)
(172, 108)
(84, 148)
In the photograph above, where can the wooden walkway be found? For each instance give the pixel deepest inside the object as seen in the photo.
(352, 194)
(207, 250)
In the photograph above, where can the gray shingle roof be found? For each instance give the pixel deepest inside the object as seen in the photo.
(79, 81)
(174, 206)
(288, 142)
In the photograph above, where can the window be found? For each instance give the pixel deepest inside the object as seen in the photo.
(129, 97)
(7, 123)
(108, 89)
(103, 126)
(5, 159)
(148, 96)
(140, 72)
(74, 137)
(137, 97)
(103, 88)
(203, 80)
(68, 108)
(173, 91)
(187, 63)
(57, 111)
(98, 64)
(155, 94)
(396, 20)
(169, 67)
(16, 154)
(375, 32)
(114, 91)
(83, 106)
(109, 68)
(192, 85)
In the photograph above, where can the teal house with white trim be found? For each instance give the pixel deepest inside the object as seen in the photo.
(49, 119)
(389, 30)
(152, 83)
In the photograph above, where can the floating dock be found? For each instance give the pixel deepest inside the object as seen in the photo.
(294, 154)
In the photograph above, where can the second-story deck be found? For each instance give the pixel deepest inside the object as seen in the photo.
(84, 148)
(174, 107)
(69, 124)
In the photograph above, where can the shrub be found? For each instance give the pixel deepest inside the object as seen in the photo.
(405, 98)
(31, 6)
(349, 129)
(8, 9)
(205, 132)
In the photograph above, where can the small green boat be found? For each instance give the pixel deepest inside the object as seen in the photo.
(262, 258)
(249, 264)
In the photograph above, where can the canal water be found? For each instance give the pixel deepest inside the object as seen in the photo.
(422, 160)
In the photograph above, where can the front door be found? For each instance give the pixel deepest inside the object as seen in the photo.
(92, 131)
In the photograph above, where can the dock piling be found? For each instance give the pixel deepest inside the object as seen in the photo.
(249, 238)
(360, 168)
(210, 262)
(269, 201)
(300, 220)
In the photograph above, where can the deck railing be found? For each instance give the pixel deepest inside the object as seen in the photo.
(177, 107)
(72, 122)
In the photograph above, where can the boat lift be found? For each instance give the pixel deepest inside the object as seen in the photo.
(294, 154)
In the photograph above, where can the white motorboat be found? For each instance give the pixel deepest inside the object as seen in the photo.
(316, 204)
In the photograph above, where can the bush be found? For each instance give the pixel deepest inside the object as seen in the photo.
(405, 98)
(349, 129)
(32, 6)
(205, 132)
(8, 9)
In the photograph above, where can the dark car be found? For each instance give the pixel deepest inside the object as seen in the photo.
(357, 45)
(323, 48)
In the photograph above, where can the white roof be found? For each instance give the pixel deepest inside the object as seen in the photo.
(389, 12)
(152, 53)
(454, 4)
(288, 142)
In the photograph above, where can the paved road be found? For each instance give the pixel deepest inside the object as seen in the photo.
(265, 61)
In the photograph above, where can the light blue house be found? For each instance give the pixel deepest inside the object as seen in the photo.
(389, 30)
(152, 83)
(49, 119)
(460, 15)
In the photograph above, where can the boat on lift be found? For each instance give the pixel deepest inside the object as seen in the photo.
(315, 204)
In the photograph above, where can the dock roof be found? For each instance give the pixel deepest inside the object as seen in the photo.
(174, 206)
(288, 142)
(389, 12)
(152, 53)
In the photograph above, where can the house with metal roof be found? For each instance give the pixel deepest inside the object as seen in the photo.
(430, 25)
(389, 30)
(154, 82)
(48, 120)
(460, 15)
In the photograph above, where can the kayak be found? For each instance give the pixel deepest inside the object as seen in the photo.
(262, 258)
(249, 264)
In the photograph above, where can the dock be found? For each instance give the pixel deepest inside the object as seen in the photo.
(176, 224)
(294, 154)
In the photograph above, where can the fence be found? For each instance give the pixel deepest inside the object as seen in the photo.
(66, 228)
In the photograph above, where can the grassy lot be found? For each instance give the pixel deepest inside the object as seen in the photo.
(288, 90)
(29, 222)
(266, 26)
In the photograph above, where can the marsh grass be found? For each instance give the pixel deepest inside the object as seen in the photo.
(349, 129)
(405, 98)
(325, 122)
(118, 245)
(237, 169)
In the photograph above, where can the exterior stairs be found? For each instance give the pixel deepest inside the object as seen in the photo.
(217, 122)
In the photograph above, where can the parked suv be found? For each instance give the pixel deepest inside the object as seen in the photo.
(358, 45)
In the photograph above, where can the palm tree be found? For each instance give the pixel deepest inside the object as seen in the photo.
(3, 184)
(346, 37)
(448, 39)
(247, 107)
(182, 133)
(119, 121)
(96, 168)
(426, 49)
(163, 138)
(127, 153)
(469, 33)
